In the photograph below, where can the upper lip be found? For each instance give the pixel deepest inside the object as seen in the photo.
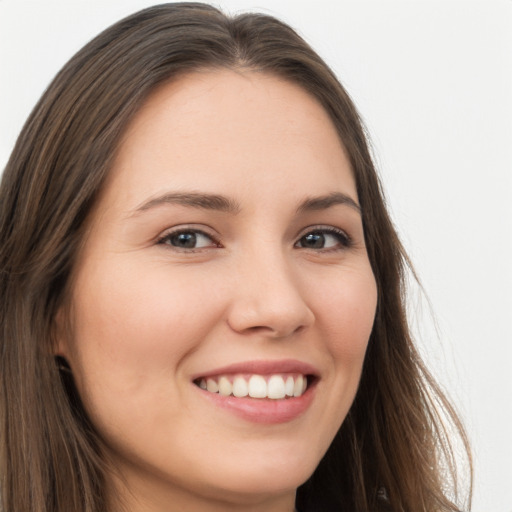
(262, 367)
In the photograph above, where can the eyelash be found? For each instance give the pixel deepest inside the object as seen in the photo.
(344, 240)
(166, 239)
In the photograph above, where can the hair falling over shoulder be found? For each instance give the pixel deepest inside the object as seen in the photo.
(394, 452)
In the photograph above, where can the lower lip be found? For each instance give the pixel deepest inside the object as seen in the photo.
(263, 410)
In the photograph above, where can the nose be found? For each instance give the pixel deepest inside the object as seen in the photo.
(269, 300)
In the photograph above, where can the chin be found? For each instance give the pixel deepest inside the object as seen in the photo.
(251, 488)
(272, 476)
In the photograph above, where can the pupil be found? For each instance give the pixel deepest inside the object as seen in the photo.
(185, 240)
(314, 240)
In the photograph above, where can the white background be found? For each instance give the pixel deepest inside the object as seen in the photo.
(433, 80)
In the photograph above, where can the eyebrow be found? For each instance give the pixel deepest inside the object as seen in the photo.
(225, 204)
(193, 200)
(327, 201)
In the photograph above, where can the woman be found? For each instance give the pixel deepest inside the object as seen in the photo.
(202, 292)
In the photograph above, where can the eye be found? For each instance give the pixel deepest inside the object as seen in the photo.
(324, 238)
(188, 239)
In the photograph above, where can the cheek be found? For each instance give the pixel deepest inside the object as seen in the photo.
(344, 310)
(346, 313)
(133, 324)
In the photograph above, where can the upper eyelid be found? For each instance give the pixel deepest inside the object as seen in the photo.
(184, 229)
(322, 227)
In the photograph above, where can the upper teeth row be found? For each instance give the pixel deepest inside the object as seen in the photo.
(257, 386)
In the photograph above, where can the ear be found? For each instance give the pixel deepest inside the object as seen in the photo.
(60, 343)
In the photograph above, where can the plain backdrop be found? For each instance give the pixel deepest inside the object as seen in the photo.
(433, 81)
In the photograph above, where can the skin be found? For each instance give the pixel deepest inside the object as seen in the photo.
(147, 316)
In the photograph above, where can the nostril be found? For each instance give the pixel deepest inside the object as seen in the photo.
(275, 332)
(258, 328)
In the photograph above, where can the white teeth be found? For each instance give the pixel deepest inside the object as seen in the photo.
(275, 387)
(225, 387)
(297, 388)
(212, 386)
(257, 387)
(289, 386)
(240, 387)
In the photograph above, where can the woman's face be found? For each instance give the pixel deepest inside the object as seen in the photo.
(226, 251)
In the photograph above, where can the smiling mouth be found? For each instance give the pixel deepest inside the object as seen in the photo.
(274, 387)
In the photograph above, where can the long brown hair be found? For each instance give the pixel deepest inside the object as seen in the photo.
(392, 451)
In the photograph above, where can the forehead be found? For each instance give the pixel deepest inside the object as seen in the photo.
(221, 126)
